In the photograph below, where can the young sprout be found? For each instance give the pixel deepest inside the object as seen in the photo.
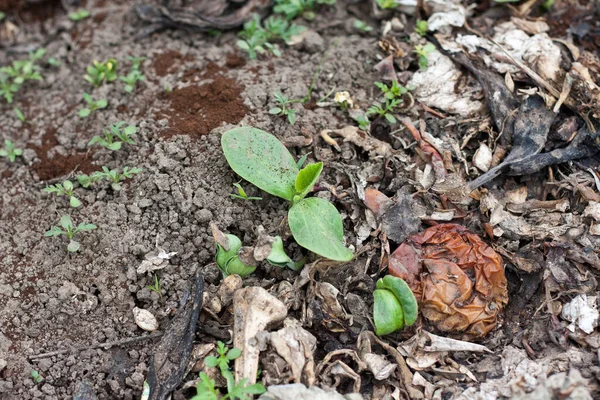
(423, 52)
(386, 4)
(64, 189)
(86, 180)
(69, 231)
(115, 136)
(283, 109)
(79, 15)
(363, 122)
(19, 114)
(242, 193)
(98, 72)
(54, 62)
(8, 88)
(292, 8)
(253, 38)
(10, 151)
(37, 378)
(93, 105)
(421, 27)
(134, 75)
(113, 176)
(362, 26)
(13, 76)
(156, 287)
(280, 28)
(386, 112)
(394, 92)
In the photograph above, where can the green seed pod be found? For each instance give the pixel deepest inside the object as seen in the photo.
(387, 312)
(406, 297)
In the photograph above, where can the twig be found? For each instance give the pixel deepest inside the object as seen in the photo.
(96, 346)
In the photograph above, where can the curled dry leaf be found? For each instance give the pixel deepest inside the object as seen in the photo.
(457, 278)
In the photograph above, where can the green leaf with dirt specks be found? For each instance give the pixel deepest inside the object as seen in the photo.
(317, 226)
(261, 159)
(307, 177)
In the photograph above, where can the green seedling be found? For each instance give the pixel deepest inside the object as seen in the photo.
(115, 137)
(261, 159)
(363, 122)
(421, 27)
(87, 180)
(99, 72)
(284, 108)
(392, 92)
(386, 110)
(293, 8)
(423, 53)
(19, 114)
(54, 62)
(8, 88)
(114, 177)
(206, 390)
(12, 77)
(280, 28)
(37, 378)
(256, 39)
(134, 75)
(387, 4)
(10, 151)
(156, 287)
(2, 16)
(395, 305)
(136, 62)
(79, 15)
(64, 189)
(242, 193)
(93, 105)
(362, 26)
(69, 231)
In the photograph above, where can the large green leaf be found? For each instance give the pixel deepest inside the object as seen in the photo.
(261, 159)
(317, 226)
(307, 177)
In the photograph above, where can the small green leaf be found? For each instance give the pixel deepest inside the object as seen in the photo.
(84, 112)
(101, 103)
(85, 227)
(114, 146)
(302, 160)
(387, 312)
(223, 256)
(257, 388)
(66, 222)
(391, 119)
(74, 202)
(261, 159)
(275, 110)
(235, 266)
(211, 361)
(307, 177)
(317, 226)
(73, 246)
(234, 353)
(55, 231)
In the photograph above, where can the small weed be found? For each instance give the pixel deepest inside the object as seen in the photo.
(87, 180)
(115, 137)
(421, 27)
(69, 231)
(392, 92)
(79, 15)
(385, 110)
(256, 39)
(156, 287)
(280, 28)
(37, 378)
(284, 108)
(64, 189)
(10, 151)
(242, 194)
(115, 177)
(134, 75)
(12, 77)
(54, 62)
(19, 114)
(99, 72)
(423, 52)
(292, 8)
(205, 390)
(363, 122)
(362, 26)
(93, 105)
(387, 4)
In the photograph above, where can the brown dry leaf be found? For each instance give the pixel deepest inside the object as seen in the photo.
(457, 278)
(354, 135)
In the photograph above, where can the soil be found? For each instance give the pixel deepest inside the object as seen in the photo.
(197, 86)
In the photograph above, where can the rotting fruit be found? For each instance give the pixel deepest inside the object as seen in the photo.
(457, 278)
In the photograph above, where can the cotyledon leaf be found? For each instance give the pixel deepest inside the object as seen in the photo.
(307, 177)
(261, 159)
(317, 226)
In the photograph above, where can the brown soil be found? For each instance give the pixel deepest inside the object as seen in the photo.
(164, 62)
(59, 165)
(234, 60)
(196, 110)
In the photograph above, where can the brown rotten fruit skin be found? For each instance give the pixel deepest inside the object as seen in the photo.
(457, 278)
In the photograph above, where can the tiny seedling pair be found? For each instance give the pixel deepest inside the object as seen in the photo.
(69, 230)
(93, 105)
(112, 175)
(10, 151)
(99, 72)
(261, 159)
(115, 136)
(64, 189)
(134, 75)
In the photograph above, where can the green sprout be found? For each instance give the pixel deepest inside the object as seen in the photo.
(156, 287)
(256, 39)
(19, 114)
(421, 27)
(242, 194)
(115, 137)
(87, 180)
(387, 4)
(362, 26)
(93, 105)
(392, 92)
(79, 15)
(69, 231)
(363, 122)
(99, 72)
(115, 177)
(10, 151)
(385, 111)
(293, 8)
(261, 159)
(283, 109)
(37, 378)
(423, 52)
(395, 305)
(12, 77)
(206, 390)
(134, 75)
(64, 189)
(54, 62)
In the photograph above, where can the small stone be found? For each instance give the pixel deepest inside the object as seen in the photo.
(145, 320)
(313, 42)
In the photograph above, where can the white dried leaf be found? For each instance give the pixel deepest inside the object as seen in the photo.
(482, 159)
(145, 320)
(583, 312)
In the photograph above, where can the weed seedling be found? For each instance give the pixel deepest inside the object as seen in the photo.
(99, 72)
(280, 28)
(394, 92)
(292, 8)
(115, 137)
(93, 105)
(385, 111)
(114, 177)
(54, 62)
(156, 287)
(134, 75)
(37, 378)
(284, 108)
(256, 39)
(79, 15)
(10, 151)
(69, 231)
(421, 27)
(64, 189)
(87, 180)
(19, 114)
(12, 77)
(387, 4)
(423, 52)
(242, 194)
(363, 122)
(205, 390)
(362, 26)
